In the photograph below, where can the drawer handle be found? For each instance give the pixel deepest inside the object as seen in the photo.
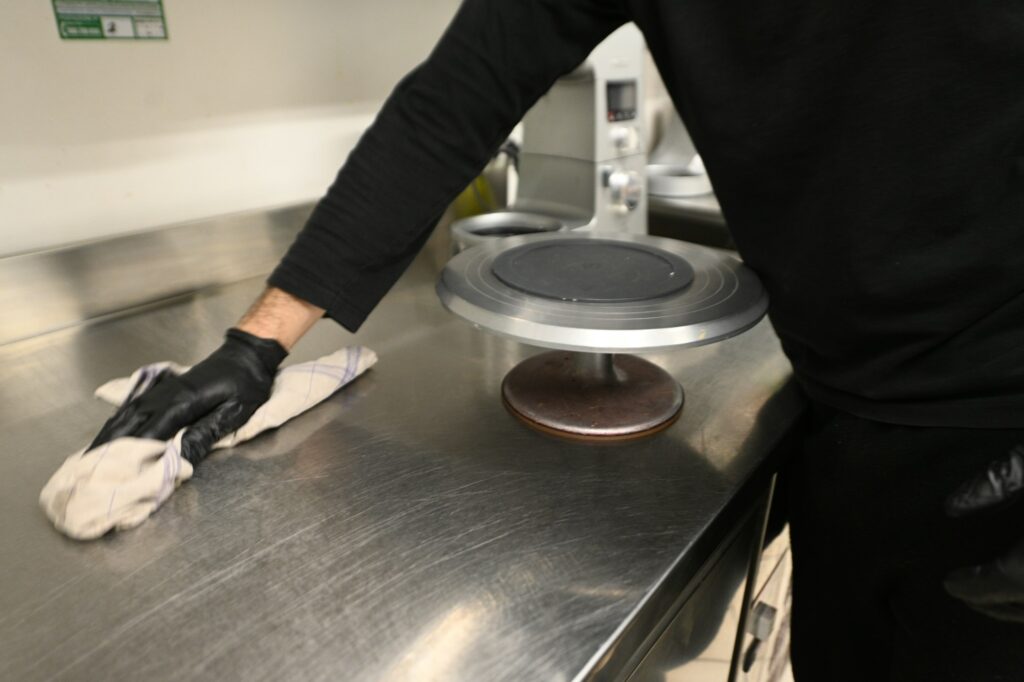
(760, 625)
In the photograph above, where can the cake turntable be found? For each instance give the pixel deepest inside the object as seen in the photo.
(595, 297)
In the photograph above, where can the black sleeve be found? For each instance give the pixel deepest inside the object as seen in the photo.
(434, 134)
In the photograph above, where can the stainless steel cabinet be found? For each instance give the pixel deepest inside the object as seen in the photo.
(764, 644)
(724, 631)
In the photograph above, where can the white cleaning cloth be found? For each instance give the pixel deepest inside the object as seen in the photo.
(119, 484)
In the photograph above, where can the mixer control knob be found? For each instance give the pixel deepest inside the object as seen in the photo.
(626, 189)
(625, 139)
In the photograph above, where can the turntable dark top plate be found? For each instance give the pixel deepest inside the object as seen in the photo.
(593, 270)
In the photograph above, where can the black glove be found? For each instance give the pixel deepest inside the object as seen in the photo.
(213, 399)
(996, 588)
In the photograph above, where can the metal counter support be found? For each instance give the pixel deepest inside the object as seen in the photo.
(408, 528)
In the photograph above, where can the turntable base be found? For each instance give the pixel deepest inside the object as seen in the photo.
(592, 396)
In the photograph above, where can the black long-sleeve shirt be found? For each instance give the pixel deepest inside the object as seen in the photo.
(868, 158)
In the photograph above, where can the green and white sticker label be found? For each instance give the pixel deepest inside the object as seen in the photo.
(110, 19)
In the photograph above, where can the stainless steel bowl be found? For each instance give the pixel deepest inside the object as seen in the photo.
(486, 228)
(676, 180)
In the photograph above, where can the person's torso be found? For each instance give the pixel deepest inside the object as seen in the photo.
(869, 160)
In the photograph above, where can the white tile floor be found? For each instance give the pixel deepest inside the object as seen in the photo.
(703, 670)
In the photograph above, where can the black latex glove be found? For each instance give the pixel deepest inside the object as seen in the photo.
(996, 588)
(213, 399)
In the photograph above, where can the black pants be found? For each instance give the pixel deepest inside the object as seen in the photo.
(871, 546)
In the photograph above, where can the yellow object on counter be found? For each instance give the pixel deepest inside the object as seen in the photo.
(477, 198)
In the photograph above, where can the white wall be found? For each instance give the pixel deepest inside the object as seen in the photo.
(248, 104)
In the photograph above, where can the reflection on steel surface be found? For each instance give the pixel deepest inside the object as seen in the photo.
(437, 652)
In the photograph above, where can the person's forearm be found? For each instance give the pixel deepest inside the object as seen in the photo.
(278, 315)
(433, 135)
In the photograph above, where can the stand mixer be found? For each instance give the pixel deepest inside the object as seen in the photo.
(582, 158)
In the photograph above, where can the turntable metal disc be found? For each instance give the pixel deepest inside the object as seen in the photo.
(670, 293)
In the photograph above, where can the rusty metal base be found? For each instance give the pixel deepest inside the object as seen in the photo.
(592, 396)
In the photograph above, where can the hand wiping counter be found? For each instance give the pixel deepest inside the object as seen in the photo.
(117, 485)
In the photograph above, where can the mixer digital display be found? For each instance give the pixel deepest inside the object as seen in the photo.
(622, 100)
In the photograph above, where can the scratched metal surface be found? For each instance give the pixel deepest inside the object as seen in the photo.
(408, 528)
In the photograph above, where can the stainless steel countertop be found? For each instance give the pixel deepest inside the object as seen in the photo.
(408, 528)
